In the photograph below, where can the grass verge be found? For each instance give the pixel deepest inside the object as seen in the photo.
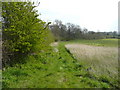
(51, 70)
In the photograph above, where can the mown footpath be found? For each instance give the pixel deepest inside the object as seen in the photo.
(51, 69)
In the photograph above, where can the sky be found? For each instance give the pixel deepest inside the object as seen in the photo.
(95, 15)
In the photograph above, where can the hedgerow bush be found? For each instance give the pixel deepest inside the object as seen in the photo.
(23, 31)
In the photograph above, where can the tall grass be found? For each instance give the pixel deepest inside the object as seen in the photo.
(102, 61)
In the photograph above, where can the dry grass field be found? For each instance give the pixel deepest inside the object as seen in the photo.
(102, 61)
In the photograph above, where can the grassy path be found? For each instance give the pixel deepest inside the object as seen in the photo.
(52, 70)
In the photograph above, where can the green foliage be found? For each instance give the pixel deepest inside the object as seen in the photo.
(69, 31)
(23, 32)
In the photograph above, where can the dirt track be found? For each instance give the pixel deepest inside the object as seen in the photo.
(55, 44)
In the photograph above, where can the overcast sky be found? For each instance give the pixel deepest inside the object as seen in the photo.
(94, 15)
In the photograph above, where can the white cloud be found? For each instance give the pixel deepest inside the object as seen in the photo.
(93, 14)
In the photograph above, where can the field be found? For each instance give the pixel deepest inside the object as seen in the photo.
(62, 67)
(101, 58)
(99, 42)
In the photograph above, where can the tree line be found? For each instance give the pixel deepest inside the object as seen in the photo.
(71, 31)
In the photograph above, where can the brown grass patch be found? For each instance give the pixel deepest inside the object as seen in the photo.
(102, 60)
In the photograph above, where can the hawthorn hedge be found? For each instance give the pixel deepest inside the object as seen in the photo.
(23, 32)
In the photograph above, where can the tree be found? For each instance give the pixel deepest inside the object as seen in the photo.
(23, 32)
